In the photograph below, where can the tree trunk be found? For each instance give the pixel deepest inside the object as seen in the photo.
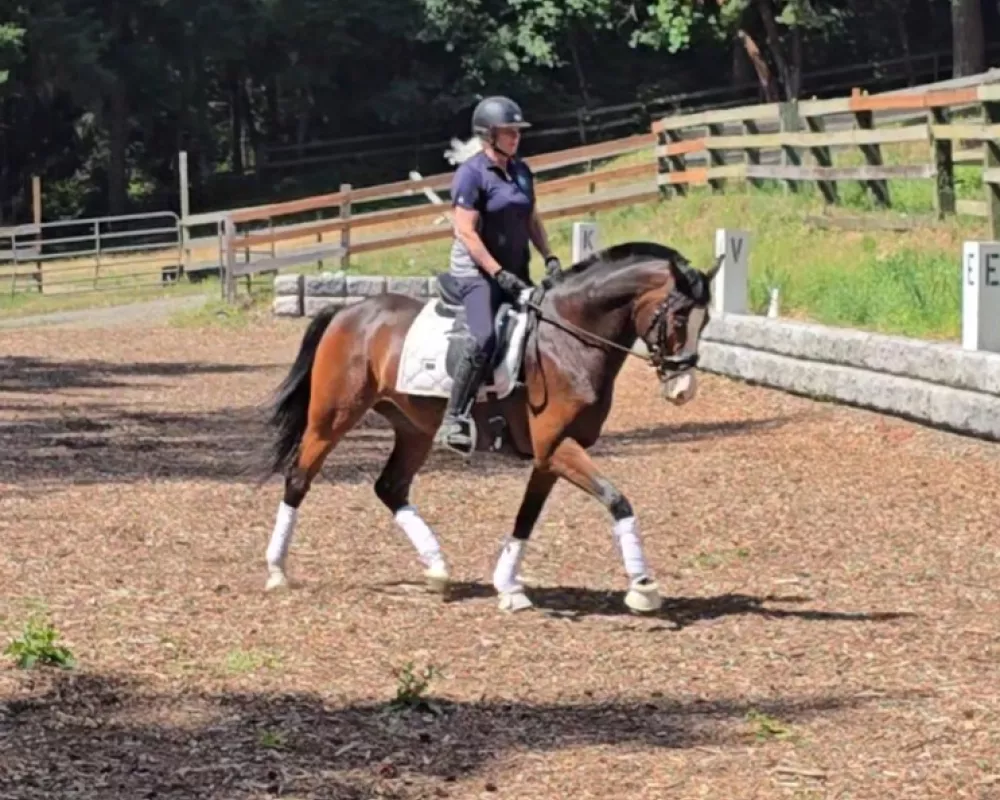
(968, 46)
(236, 121)
(904, 40)
(581, 78)
(766, 11)
(764, 75)
(117, 144)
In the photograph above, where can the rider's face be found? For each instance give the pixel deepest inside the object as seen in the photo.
(507, 139)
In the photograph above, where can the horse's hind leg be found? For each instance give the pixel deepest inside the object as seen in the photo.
(322, 434)
(392, 487)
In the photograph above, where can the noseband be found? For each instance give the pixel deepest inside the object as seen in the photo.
(660, 324)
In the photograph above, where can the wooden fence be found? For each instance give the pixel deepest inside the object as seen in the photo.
(257, 240)
(659, 164)
(968, 115)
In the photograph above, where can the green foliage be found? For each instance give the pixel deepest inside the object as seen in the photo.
(37, 645)
(411, 688)
(107, 92)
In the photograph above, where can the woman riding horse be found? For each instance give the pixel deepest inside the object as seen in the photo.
(495, 220)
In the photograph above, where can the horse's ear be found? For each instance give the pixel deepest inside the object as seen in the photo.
(714, 269)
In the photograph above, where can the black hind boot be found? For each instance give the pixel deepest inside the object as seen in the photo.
(458, 429)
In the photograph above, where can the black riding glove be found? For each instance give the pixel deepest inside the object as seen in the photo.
(511, 284)
(552, 266)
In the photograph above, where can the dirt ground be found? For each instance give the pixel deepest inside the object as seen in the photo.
(832, 628)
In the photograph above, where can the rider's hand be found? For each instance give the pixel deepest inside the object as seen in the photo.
(511, 284)
(552, 266)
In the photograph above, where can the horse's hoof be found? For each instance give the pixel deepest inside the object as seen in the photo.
(643, 596)
(515, 600)
(436, 576)
(276, 579)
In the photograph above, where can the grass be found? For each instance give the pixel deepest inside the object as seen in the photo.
(899, 282)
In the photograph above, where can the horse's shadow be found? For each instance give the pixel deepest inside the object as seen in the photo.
(575, 602)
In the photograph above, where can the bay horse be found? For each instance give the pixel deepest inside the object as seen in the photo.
(547, 399)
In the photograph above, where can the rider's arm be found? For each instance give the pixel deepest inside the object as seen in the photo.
(536, 230)
(466, 220)
(465, 191)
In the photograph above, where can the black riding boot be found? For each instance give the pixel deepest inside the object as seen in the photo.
(458, 430)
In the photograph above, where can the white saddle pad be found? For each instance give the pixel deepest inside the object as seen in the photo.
(422, 369)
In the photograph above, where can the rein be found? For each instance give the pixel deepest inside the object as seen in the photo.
(569, 327)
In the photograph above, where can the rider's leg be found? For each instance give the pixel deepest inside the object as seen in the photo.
(458, 430)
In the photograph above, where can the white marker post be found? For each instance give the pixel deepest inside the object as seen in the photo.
(730, 289)
(585, 241)
(981, 296)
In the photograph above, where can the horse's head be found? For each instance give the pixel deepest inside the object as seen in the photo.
(670, 320)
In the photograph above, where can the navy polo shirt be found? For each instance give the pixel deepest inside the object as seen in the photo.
(504, 200)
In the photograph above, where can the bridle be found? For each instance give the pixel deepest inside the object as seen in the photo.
(659, 325)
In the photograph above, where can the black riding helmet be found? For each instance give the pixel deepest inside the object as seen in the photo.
(496, 112)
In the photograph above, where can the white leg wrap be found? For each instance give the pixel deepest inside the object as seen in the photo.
(281, 536)
(626, 533)
(420, 535)
(508, 564)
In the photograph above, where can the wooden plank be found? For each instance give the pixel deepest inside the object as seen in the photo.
(292, 259)
(916, 101)
(957, 131)
(398, 240)
(632, 195)
(289, 207)
(972, 208)
(577, 155)
(988, 92)
(823, 108)
(698, 175)
(574, 181)
(680, 148)
(863, 173)
(387, 191)
(726, 171)
(991, 175)
(847, 138)
(760, 112)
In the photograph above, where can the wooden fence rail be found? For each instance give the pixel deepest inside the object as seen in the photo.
(791, 143)
(812, 129)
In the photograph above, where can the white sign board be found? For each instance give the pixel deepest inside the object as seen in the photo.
(981, 296)
(730, 288)
(585, 240)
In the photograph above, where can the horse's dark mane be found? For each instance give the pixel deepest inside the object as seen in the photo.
(619, 256)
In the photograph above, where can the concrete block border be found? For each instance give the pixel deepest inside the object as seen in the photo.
(936, 383)
(304, 295)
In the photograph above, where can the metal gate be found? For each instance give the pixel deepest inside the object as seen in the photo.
(120, 253)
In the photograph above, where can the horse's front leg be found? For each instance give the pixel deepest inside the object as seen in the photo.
(505, 575)
(570, 461)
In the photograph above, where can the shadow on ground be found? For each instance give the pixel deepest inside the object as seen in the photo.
(115, 443)
(30, 374)
(91, 736)
(574, 602)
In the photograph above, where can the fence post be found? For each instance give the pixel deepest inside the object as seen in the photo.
(182, 174)
(751, 155)
(229, 278)
(36, 214)
(716, 158)
(943, 160)
(873, 154)
(789, 122)
(345, 232)
(821, 155)
(991, 160)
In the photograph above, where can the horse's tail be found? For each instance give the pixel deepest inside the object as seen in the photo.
(290, 407)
